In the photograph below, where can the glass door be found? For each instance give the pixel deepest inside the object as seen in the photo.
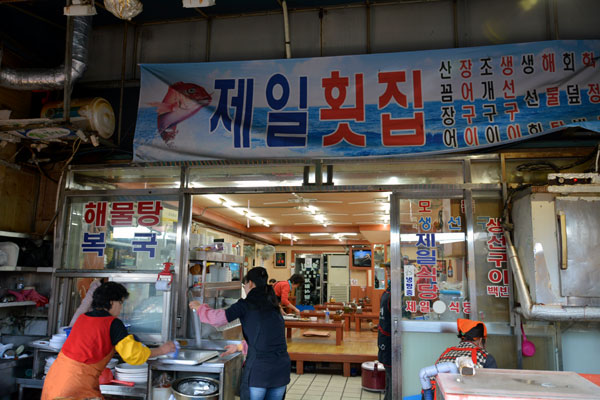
(449, 261)
(430, 280)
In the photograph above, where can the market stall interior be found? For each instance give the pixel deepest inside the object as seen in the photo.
(198, 245)
(447, 149)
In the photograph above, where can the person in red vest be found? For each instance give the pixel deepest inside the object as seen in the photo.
(283, 288)
(91, 344)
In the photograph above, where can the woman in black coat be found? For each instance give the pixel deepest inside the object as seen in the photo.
(266, 371)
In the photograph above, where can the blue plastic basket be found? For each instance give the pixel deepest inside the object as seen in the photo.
(305, 308)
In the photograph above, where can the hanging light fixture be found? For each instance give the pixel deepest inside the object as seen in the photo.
(79, 8)
(198, 3)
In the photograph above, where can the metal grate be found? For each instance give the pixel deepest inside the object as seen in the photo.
(339, 292)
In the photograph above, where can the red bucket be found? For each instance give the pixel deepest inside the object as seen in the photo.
(373, 376)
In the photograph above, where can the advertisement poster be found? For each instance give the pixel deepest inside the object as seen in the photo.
(374, 105)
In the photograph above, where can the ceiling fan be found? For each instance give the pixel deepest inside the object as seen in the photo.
(310, 213)
(297, 199)
(378, 200)
(381, 213)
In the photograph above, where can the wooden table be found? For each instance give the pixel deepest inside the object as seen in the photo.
(337, 307)
(321, 314)
(337, 326)
(308, 313)
(359, 317)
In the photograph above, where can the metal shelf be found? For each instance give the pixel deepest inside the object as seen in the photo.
(116, 243)
(222, 285)
(16, 235)
(210, 287)
(20, 235)
(215, 257)
(17, 304)
(25, 269)
(139, 390)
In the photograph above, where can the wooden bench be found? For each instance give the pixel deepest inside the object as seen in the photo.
(345, 359)
(364, 316)
(337, 326)
(336, 307)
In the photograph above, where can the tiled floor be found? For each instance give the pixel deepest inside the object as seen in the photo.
(327, 387)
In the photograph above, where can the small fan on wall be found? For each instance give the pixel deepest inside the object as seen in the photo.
(266, 253)
(249, 251)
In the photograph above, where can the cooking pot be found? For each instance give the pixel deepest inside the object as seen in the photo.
(373, 376)
(195, 388)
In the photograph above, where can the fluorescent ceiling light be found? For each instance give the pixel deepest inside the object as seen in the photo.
(290, 236)
(319, 234)
(440, 238)
(264, 183)
(214, 197)
(241, 210)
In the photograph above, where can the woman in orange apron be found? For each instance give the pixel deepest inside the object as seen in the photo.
(91, 344)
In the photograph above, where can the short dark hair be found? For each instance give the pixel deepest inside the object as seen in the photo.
(297, 279)
(107, 292)
(272, 281)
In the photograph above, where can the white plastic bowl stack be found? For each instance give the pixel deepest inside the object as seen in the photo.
(57, 340)
(112, 363)
(132, 373)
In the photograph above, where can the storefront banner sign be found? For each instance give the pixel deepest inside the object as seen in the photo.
(393, 104)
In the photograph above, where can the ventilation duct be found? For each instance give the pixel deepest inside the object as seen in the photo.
(49, 79)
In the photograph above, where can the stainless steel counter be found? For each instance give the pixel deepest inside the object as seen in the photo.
(227, 370)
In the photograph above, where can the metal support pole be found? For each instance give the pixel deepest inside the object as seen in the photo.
(286, 30)
(68, 65)
(368, 16)
(471, 270)
(396, 292)
(123, 68)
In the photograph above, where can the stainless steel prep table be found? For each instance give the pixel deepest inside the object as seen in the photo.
(226, 370)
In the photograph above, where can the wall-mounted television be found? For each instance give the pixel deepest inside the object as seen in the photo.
(361, 257)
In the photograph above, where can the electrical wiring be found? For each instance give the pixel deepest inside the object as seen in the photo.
(548, 166)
